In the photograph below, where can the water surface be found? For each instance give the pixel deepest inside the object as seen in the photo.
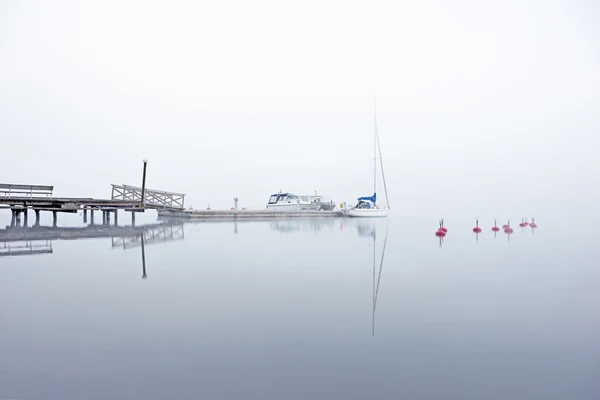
(304, 309)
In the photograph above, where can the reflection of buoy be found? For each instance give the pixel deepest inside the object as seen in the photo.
(477, 229)
(495, 227)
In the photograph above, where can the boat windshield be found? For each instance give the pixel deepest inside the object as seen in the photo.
(273, 199)
(363, 204)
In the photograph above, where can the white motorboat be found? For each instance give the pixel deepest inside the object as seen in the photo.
(367, 206)
(292, 202)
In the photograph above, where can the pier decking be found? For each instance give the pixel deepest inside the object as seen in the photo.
(246, 214)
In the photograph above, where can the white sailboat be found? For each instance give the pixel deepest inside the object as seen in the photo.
(367, 206)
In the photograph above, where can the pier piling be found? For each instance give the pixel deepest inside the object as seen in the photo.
(133, 218)
(14, 218)
(25, 217)
(85, 215)
(37, 218)
(107, 217)
(18, 217)
(116, 217)
(54, 218)
(92, 217)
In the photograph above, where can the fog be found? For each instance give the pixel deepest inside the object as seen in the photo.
(483, 108)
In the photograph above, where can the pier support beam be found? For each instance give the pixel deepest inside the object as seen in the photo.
(133, 218)
(92, 217)
(85, 215)
(54, 218)
(13, 220)
(103, 217)
(37, 217)
(116, 217)
(25, 217)
(18, 218)
(107, 217)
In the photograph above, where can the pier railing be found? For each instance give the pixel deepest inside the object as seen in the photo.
(27, 191)
(153, 198)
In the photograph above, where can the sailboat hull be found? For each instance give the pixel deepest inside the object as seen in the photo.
(367, 212)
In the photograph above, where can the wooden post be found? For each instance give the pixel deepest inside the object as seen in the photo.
(54, 218)
(144, 182)
(37, 217)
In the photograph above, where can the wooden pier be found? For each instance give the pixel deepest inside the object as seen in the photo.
(246, 214)
(21, 199)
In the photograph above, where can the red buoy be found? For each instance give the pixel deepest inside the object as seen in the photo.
(508, 229)
(522, 224)
(532, 224)
(504, 226)
(441, 232)
(495, 227)
(442, 228)
(477, 229)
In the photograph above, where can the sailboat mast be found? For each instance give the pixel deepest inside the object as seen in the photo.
(375, 152)
(387, 201)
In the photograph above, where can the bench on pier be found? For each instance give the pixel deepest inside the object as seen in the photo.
(29, 191)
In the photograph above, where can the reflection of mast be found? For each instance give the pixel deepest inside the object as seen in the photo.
(376, 288)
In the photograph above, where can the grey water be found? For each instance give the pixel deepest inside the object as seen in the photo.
(304, 309)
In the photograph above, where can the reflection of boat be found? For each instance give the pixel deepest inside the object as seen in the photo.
(298, 225)
(293, 202)
(367, 206)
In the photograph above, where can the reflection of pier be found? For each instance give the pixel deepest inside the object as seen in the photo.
(25, 248)
(160, 233)
(72, 233)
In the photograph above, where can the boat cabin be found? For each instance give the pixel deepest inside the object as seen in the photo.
(283, 198)
(365, 204)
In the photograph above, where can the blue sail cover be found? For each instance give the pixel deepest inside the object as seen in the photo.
(372, 198)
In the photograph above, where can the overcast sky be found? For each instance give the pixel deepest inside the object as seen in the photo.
(484, 107)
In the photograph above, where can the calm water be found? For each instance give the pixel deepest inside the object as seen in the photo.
(304, 310)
